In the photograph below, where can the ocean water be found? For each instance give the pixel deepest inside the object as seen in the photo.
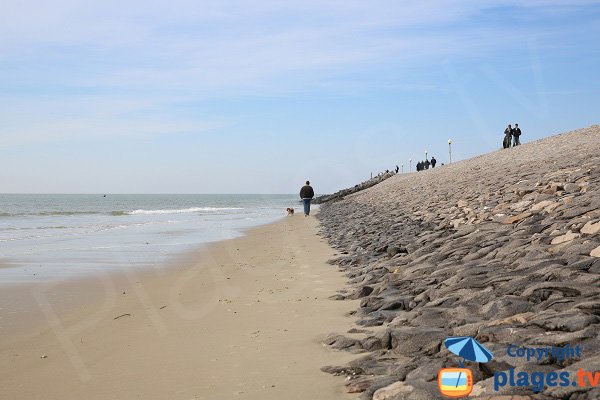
(56, 236)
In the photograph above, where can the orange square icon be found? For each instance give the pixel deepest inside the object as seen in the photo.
(455, 382)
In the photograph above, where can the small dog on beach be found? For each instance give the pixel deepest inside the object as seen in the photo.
(290, 211)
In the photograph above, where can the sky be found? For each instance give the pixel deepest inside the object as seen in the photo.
(234, 96)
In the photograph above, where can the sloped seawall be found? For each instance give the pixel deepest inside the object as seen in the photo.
(503, 247)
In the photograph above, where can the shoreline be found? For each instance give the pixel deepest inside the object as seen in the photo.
(81, 282)
(241, 317)
(80, 234)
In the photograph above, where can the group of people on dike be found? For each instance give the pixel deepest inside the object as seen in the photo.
(511, 134)
(421, 165)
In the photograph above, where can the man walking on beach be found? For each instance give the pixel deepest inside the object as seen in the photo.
(306, 194)
(433, 162)
(516, 133)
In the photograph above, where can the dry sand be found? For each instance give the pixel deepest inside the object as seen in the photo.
(239, 319)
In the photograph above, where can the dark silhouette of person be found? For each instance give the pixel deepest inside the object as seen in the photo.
(427, 164)
(516, 133)
(419, 166)
(433, 162)
(306, 194)
(507, 137)
(397, 169)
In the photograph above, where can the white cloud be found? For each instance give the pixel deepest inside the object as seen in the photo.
(223, 44)
(146, 55)
(42, 119)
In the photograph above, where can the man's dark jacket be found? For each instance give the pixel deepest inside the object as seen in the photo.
(307, 192)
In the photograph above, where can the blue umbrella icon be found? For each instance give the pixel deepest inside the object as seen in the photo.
(469, 349)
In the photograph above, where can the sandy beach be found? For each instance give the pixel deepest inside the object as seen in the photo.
(242, 318)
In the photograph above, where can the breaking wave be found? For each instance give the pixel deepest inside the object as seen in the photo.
(183, 210)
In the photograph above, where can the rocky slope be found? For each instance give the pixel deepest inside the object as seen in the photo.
(503, 247)
(340, 194)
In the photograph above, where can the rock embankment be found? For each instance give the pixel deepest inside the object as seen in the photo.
(503, 247)
(340, 194)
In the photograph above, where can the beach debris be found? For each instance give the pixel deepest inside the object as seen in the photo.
(43, 356)
(355, 330)
(162, 307)
(337, 371)
(122, 315)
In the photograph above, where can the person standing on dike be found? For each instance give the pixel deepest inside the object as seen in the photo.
(507, 137)
(516, 133)
(306, 194)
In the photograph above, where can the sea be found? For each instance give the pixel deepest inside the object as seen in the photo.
(52, 236)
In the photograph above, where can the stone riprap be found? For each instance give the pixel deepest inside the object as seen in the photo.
(339, 195)
(503, 247)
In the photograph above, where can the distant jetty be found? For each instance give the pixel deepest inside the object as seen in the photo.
(340, 194)
(503, 247)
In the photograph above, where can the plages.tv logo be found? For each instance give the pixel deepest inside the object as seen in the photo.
(458, 382)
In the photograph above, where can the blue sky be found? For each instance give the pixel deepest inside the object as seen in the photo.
(258, 96)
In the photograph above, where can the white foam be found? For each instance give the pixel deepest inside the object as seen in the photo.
(183, 210)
